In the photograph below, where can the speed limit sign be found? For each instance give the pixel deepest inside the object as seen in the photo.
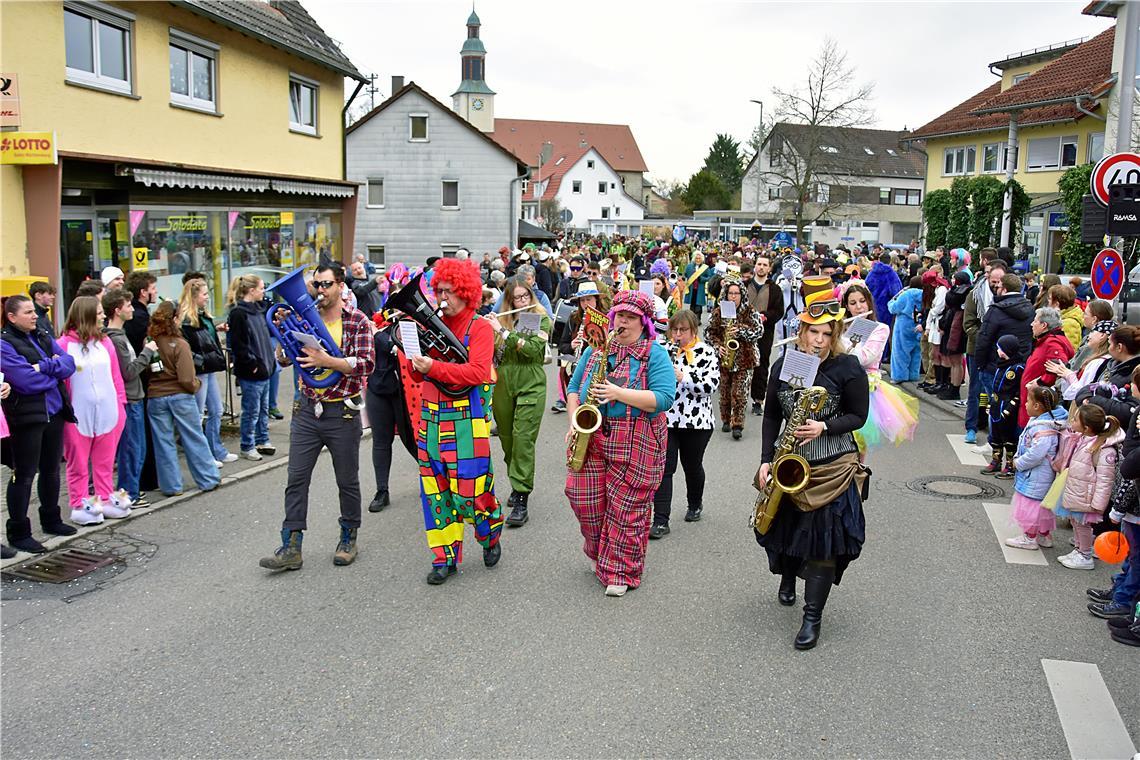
(1117, 169)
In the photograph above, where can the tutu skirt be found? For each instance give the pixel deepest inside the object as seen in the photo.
(836, 531)
(1030, 516)
(892, 416)
(1080, 518)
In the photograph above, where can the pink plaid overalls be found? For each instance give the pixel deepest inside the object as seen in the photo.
(612, 495)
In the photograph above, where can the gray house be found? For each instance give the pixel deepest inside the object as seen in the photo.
(431, 182)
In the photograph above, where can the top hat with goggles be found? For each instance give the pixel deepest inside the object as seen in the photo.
(820, 303)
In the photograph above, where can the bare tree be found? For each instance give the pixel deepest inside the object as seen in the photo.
(807, 166)
(552, 215)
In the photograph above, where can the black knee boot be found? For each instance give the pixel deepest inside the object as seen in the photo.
(818, 577)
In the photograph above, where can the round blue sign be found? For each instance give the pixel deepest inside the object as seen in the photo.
(1107, 274)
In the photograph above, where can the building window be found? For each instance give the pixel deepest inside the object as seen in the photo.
(302, 105)
(905, 197)
(418, 127)
(602, 188)
(605, 212)
(98, 46)
(193, 71)
(450, 193)
(773, 193)
(576, 187)
(993, 157)
(525, 187)
(884, 196)
(1096, 147)
(1047, 153)
(590, 164)
(870, 225)
(375, 253)
(375, 192)
(617, 211)
(958, 161)
(1019, 78)
(822, 193)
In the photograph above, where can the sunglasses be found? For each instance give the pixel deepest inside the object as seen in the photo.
(817, 310)
(323, 284)
(575, 269)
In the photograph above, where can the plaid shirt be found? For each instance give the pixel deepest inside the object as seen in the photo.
(355, 340)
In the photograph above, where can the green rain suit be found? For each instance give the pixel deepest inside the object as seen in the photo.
(520, 400)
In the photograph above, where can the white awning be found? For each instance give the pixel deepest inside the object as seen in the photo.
(164, 178)
(313, 188)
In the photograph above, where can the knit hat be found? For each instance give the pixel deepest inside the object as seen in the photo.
(1010, 346)
(1105, 326)
(110, 273)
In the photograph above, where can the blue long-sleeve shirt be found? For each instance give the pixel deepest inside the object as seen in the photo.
(659, 378)
(25, 379)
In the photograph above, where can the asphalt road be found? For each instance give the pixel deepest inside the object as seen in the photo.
(931, 647)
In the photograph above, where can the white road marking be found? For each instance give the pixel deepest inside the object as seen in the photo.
(965, 451)
(1004, 527)
(1092, 724)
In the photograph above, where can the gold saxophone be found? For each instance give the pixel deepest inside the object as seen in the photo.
(789, 472)
(587, 418)
(731, 345)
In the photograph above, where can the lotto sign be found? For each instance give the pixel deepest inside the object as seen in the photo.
(28, 148)
(1107, 274)
(1117, 169)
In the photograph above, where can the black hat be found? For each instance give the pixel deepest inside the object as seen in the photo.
(431, 261)
(1010, 346)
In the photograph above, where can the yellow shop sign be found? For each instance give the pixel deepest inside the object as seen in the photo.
(28, 148)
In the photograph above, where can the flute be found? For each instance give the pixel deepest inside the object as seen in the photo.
(796, 337)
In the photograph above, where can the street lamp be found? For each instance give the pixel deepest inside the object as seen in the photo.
(758, 148)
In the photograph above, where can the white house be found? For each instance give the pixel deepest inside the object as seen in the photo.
(432, 182)
(589, 190)
(866, 187)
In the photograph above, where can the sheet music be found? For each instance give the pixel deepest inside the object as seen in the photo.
(306, 340)
(727, 309)
(859, 330)
(529, 322)
(799, 369)
(410, 338)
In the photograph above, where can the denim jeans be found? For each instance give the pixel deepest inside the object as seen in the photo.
(274, 385)
(1126, 585)
(979, 384)
(180, 412)
(209, 399)
(132, 449)
(254, 413)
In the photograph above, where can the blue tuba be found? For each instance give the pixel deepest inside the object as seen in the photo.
(302, 317)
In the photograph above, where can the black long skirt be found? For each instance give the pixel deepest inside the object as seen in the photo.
(835, 532)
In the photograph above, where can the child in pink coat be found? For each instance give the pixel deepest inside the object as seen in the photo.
(99, 400)
(1090, 452)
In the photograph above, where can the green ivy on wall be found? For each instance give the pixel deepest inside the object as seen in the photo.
(1074, 183)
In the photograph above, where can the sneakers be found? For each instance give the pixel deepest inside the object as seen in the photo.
(1023, 542)
(275, 413)
(559, 407)
(229, 457)
(1099, 594)
(1045, 540)
(659, 530)
(141, 501)
(345, 550)
(266, 448)
(218, 463)
(971, 436)
(288, 555)
(116, 510)
(440, 573)
(1074, 560)
(993, 468)
(725, 428)
(1007, 474)
(91, 513)
(757, 408)
(1109, 610)
(693, 514)
(737, 433)
(615, 589)
(252, 455)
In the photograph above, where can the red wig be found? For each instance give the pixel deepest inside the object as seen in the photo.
(463, 276)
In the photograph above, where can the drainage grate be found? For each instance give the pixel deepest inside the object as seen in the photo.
(955, 487)
(61, 566)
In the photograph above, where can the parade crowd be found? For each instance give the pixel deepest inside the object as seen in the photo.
(655, 344)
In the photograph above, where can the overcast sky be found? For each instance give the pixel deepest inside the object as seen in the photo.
(679, 72)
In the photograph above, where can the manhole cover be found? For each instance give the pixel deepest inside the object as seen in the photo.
(955, 487)
(61, 566)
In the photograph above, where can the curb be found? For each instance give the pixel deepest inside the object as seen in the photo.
(52, 543)
(928, 399)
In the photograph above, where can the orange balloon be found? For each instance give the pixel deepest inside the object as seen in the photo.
(1112, 547)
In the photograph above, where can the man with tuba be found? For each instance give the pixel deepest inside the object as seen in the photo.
(819, 529)
(327, 417)
(625, 387)
(734, 339)
(457, 483)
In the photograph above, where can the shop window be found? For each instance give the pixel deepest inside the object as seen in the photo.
(450, 194)
(193, 71)
(418, 127)
(302, 105)
(375, 192)
(97, 40)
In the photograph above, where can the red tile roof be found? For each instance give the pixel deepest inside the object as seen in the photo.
(554, 170)
(1086, 70)
(615, 142)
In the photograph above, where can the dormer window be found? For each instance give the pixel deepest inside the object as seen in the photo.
(590, 164)
(829, 149)
(868, 151)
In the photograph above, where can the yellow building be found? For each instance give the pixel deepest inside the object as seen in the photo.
(1058, 98)
(203, 135)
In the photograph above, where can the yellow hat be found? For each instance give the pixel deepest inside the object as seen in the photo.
(820, 303)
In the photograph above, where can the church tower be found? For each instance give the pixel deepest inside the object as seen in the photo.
(474, 100)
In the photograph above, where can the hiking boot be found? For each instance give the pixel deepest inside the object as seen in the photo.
(288, 556)
(345, 553)
(993, 468)
(518, 516)
(379, 501)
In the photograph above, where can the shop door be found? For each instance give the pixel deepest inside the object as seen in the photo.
(77, 262)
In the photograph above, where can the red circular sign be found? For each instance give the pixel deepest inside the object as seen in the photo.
(1119, 168)
(1107, 274)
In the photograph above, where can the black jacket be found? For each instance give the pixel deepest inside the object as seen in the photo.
(208, 355)
(367, 296)
(251, 348)
(137, 326)
(543, 279)
(43, 321)
(385, 377)
(1010, 314)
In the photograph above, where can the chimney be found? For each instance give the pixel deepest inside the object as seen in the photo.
(397, 84)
